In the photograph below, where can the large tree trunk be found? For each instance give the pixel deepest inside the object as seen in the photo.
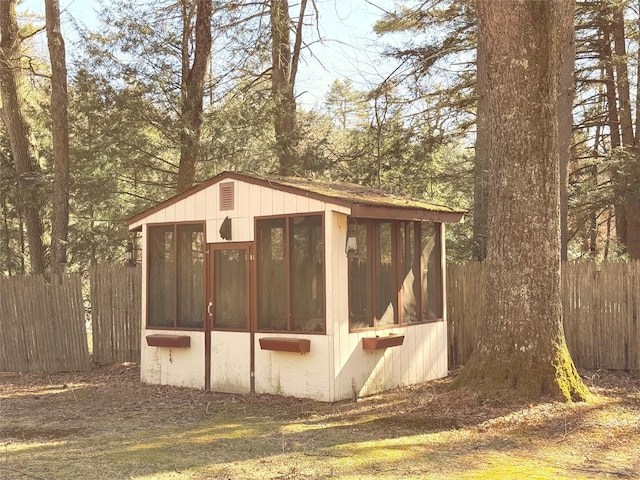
(614, 127)
(522, 351)
(27, 170)
(481, 161)
(283, 77)
(193, 89)
(60, 133)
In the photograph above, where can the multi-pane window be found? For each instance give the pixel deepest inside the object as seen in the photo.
(396, 275)
(290, 271)
(176, 276)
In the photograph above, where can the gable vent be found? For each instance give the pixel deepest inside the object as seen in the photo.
(226, 196)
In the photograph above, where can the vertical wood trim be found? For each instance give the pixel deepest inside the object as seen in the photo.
(396, 249)
(209, 282)
(288, 231)
(443, 287)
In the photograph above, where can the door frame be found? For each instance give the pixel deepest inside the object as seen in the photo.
(210, 300)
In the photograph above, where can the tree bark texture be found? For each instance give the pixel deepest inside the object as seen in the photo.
(283, 77)
(566, 93)
(60, 134)
(522, 351)
(481, 161)
(29, 180)
(193, 89)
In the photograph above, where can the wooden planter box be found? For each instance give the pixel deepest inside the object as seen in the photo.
(174, 341)
(379, 343)
(281, 344)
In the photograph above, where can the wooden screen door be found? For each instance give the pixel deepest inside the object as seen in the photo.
(228, 295)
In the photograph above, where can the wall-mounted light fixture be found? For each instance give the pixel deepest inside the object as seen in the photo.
(351, 245)
(131, 254)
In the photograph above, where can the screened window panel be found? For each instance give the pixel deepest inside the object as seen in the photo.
(430, 259)
(307, 273)
(190, 293)
(385, 281)
(410, 273)
(271, 271)
(161, 280)
(360, 298)
(230, 283)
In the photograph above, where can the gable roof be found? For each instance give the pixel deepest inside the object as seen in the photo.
(364, 202)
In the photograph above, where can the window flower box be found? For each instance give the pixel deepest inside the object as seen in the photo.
(173, 341)
(282, 344)
(379, 343)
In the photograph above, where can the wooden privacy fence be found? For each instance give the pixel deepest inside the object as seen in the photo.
(42, 326)
(600, 311)
(115, 314)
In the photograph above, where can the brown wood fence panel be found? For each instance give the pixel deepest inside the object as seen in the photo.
(465, 309)
(115, 314)
(600, 310)
(42, 326)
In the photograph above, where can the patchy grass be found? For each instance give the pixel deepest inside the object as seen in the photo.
(104, 424)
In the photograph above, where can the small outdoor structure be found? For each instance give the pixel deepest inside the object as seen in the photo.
(290, 286)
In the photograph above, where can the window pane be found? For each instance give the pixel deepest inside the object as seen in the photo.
(431, 272)
(161, 289)
(230, 285)
(410, 273)
(190, 276)
(307, 277)
(360, 315)
(386, 291)
(271, 270)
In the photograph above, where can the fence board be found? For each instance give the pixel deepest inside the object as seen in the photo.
(115, 314)
(600, 313)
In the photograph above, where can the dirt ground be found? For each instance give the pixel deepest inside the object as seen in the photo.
(104, 424)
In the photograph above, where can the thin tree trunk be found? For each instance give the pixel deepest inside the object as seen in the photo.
(637, 119)
(27, 170)
(566, 91)
(622, 76)
(522, 350)
(193, 91)
(610, 86)
(614, 129)
(283, 77)
(632, 190)
(60, 133)
(7, 235)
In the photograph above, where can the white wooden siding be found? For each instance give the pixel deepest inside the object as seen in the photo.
(181, 367)
(356, 372)
(422, 357)
(250, 201)
(294, 374)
